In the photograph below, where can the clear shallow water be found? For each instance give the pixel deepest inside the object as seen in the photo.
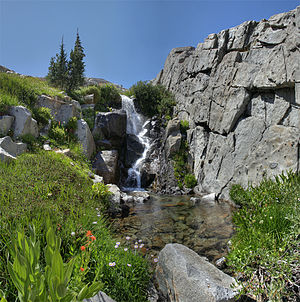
(204, 227)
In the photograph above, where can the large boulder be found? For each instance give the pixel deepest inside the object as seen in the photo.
(134, 150)
(61, 110)
(240, 92)
(6, 122)
(184, 276)
(106, 165)
(85, 138)
(110, 128)
(9, 150)
(23, 122)
(173, 137)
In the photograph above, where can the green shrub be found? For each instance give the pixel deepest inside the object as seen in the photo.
(71, 124)
(265, 248)
(95, 90)
(190, 181)
(42, 115)
(89, 116)
(110, 98)
(184, 126)
(52, 184)
(58, 134)
(31, 141)
(6, 100)
(152, 100)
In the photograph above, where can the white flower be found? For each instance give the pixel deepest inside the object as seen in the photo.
(126, 249)
(94, 222)
(73, 234)
(127, 237)
(128, 264)
(112, 264)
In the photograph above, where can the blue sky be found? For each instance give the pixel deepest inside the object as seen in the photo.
(124, 41)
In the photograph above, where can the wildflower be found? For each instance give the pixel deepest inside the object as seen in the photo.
(140, 241)
(261, 222)
(112, 263)
(82, 248)
(128, 264)
(127, 237)
(116, 246)
(72, 233)
(94, 222)
(126, 249)
(88, 233)
(118, 243)
(152, 255)
(155, 260)
(271, 217)
(82, 269)
(98, 215)
(136, 243)
(142, 245)
(136, 246)
(93, 238)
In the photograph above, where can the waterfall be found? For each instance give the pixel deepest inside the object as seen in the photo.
(136, 125)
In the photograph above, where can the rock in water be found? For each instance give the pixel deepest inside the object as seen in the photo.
(240, 93)
(184, 276)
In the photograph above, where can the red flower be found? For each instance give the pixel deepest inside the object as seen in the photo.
(82, 248)
(93, 238)
(82, 269)
(88, 233)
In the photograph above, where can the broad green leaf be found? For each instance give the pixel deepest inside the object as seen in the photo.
(82, 294)
(16, 281)
(61, 290)
(68, 270)
(58, 266)
(94, 289)
(69, 297)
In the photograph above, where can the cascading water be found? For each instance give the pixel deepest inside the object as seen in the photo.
(136, 125)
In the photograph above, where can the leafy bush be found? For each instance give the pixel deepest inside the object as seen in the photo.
(152, 100)
(89, 116)
(184, 126)
(110, 97)
(190, 181)
(58, 133)
(6, 100)
(265, 249)
(42, 115)
(95, 90)
(52, 184)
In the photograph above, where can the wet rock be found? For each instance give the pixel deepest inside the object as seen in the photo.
(182, 275)
(110, 126)
(209, 197)
(134, 149)
(106, 165)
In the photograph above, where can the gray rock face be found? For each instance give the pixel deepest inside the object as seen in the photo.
(100, 297)
(110, 128)
(184, 276)
(240, 92)
(85, 138)
(106, 165)
(23, 122)
(173, 137)
(61, 110)
(6, 122)
(9, 150)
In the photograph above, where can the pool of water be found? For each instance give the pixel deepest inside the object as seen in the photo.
(205, 227)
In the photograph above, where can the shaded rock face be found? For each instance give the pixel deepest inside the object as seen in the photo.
(6, 122)
(9, 149)
(110, 129)
(240, 92)
(184, 276)
(106, 165)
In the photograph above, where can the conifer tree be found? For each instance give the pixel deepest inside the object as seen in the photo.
(62, 67)
(76, 65)
(52, 71)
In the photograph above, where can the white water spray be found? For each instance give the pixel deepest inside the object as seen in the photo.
(136, 125)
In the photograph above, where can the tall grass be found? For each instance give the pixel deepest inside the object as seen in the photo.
(50, 184)
(265, 249)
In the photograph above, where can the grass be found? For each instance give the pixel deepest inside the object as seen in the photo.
(265, 249)
(50, 184)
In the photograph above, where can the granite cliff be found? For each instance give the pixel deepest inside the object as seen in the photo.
(240, 92)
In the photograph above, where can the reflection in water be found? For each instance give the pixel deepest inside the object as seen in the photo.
(204, 227)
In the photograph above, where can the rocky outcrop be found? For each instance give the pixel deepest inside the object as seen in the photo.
(23, 122)
(106, 165)
(85, 138)
(240, 93)
(6, 122)
(184, 276)
(173, 137)
(9, 150)
(61, 110)
(110, 129)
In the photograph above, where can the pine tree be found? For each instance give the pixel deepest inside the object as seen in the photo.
(52, 72)
(76, 65)
(62, 67)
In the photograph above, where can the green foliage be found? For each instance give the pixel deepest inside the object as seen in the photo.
(42, 115)
(153, 100)
(95, 90)
(31, 141)
(110, 97)
(72, 124)
(190, 180)
(52, 184)
(6, 100)
(58, 133)
(184, 126)
(89, 116)
(265, 249)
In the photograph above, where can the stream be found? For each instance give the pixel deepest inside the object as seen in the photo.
(205, 227)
